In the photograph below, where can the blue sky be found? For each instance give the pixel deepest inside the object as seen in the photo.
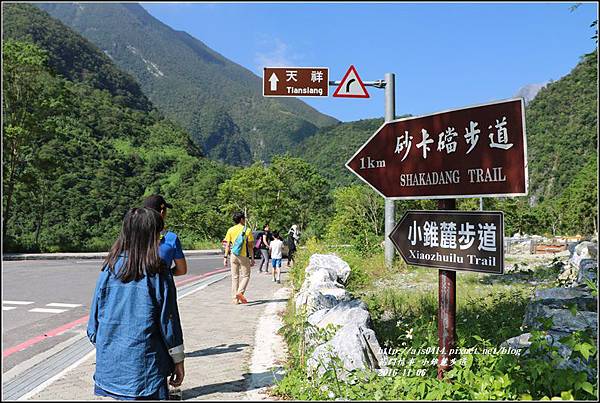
(444, 55)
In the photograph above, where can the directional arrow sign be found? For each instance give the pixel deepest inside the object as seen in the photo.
(295, 82)
(479, 151)
(454, 240)
(273, 80)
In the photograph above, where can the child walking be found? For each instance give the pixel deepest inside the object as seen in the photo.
(276, 247)
(134, 319)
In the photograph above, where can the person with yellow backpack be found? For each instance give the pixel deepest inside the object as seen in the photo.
(239, 246)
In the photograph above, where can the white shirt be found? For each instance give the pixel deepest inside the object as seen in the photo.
(276, 246)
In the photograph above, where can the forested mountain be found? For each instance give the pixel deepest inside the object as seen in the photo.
(562, 129)
(82, 144)
(330, 148)
(219, 102)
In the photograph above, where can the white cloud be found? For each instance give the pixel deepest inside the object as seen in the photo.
(275, 53)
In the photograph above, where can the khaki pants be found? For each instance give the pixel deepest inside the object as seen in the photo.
(240, 274)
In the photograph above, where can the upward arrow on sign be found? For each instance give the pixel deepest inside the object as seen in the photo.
(273, 80)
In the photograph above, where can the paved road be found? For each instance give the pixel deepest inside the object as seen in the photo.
(39, 296)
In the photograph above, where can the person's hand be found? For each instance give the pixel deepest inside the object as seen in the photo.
(178, 375)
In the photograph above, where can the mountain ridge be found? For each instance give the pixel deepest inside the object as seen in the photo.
(186, 80)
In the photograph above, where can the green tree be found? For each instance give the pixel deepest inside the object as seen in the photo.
(305, 192)
(579, 202)
(358, 216)
(30, 99)
(256, 191)
(289, 191)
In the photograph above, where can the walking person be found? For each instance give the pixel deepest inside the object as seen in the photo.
(239, 247)
(134, 319)
(276, 248)
(264, 238)
(170, 246)
(292, 241)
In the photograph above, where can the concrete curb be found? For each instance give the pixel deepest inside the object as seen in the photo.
(88, 255)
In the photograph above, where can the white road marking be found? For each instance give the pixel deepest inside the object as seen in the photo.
(8, 308)
(60, 305)
(47, 310)
(17, 302)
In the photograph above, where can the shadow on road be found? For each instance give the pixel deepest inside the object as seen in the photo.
(264, 301)
(219, 349)
(246, 383)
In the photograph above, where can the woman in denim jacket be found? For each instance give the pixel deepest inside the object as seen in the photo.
(134, 320)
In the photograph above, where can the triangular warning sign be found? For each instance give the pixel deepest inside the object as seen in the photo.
(351, 86)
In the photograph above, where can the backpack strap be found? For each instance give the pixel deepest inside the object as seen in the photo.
(245, 239)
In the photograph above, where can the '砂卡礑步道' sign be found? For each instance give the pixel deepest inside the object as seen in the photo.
(480, 151)
(295, 82)
(455, 240)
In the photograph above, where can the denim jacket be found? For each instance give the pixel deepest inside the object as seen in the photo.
(136, 329)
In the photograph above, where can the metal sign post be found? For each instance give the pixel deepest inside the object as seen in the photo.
(390, 207)
(446, 309)
(390, 114)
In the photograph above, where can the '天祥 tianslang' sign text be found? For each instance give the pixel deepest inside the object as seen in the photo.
(455, 240)
(472, 152)
(295, 81)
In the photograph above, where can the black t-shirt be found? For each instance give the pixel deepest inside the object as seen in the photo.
(269, 239)
(291, 242)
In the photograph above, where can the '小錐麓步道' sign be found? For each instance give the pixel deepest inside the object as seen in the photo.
(450, 239)
(479, 151)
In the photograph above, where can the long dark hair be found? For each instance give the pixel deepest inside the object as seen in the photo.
(139, 241)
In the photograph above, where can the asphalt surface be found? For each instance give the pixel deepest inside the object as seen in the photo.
(39, 296)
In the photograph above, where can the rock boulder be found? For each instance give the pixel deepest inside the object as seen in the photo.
(356, 347)
(584, 250)
(570, 309)
(339, 270)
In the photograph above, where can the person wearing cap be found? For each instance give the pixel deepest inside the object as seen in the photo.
(170, 247)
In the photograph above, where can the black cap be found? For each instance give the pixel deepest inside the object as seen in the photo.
(156, 202)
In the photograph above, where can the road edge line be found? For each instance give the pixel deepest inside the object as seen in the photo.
(55, 377)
